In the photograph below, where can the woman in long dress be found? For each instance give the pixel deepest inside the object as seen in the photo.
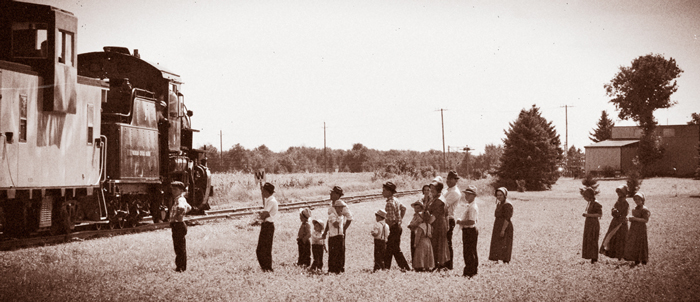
(613, 244)
(435, 211)
(423, 259)
(637, 245)
(591, 228)
(502, 234)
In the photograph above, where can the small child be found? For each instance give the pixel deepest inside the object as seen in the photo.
(380, 232)
(317, 244)
(637, 245)
(303, 238)
(423, 259)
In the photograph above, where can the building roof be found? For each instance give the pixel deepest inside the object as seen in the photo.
(612, 143)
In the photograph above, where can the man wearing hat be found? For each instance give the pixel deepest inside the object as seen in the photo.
(380, 232)
(452, 198)
(177, 224)
(470, 233)
(394, 214)
(267, 228)
(339, 219)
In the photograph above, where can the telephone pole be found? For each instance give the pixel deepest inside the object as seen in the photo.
(467, 149)
(325, 160)
(444, 156)
(566, 114)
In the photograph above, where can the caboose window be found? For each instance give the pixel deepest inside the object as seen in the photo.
(64, 45)
(90, 121)
(29, 40)
(23, 118)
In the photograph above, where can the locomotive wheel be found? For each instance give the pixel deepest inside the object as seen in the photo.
(116, 222)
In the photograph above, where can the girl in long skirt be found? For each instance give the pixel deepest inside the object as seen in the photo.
(502, 234)
(423, 259)
(591, 229)
(613, 244)
(637, 245)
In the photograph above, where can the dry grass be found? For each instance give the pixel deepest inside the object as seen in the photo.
(546, 259)
(240, 189)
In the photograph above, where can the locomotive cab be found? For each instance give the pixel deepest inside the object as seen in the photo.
(44, 38)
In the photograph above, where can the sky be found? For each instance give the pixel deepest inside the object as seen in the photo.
(379, 72)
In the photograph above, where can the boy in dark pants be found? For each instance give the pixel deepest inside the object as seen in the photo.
(303, 238)
(469, 233)
(177, 224)
(380, 231)
(317, 245)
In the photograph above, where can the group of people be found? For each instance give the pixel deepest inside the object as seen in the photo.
(620, 242)
(431, 228)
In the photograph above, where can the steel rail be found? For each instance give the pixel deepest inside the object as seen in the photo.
(146, 225)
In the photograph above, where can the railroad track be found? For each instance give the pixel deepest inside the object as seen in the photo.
(146, 225)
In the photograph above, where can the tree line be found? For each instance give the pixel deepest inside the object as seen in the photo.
(531, 157)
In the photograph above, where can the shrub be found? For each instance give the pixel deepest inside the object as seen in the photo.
(608, 171)
(589, 181)
(634, 178)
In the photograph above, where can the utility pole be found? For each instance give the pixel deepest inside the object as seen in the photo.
(467, 149)
(566, 118)
(444, 156)
(325, 160)
(566, 144)
(221, 147)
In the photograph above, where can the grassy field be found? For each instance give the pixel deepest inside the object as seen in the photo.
(240, 189)
(546, 263)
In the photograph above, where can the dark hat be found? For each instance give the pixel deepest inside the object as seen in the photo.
(178, 184)
(417, 203)
(471, 189)
(390, 186)
(270, 188)
(453, 175)
(587, 191)
(338, 190)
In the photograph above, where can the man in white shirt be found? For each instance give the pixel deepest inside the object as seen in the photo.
(452, 197)
(267, 228)
(177, 224)
(469, 232)
(339, 219)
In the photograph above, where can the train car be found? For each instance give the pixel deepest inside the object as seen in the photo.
(89, 139)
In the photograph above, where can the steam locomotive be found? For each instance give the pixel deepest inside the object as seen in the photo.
(87, 140)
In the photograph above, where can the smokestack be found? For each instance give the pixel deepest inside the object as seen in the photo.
(136, 53)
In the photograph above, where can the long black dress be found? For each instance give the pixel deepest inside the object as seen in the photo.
(637, 245)
(591, 231)
(502, 247)
(613, 244)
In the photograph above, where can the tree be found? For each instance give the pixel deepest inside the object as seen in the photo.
(531, 153)
(574, 162)
(638, 90)
(604, 130)
(694, 119)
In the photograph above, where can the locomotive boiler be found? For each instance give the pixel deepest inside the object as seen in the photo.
(90, 139)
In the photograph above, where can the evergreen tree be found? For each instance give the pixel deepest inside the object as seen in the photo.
(574, 162)
(531, 153)
(604, 130)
